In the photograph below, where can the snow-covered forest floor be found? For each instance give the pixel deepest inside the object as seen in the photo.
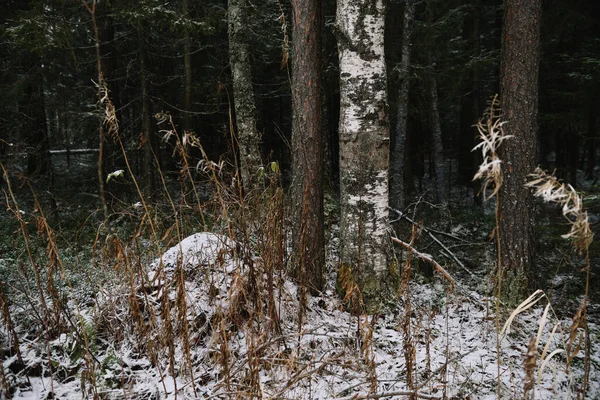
(219, 338)
(217, 316)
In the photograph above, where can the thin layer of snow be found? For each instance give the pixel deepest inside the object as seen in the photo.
(332, 354)
(199, 249)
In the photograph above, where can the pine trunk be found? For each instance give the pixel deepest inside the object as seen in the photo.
(364, 141)
(307, 143)
(519, 90)
(243, 92)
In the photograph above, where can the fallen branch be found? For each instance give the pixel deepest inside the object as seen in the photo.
(428, 258)
(389, 394)
(428, 231)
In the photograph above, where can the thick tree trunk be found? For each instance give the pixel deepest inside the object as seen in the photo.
(243, 93)
(364, 141)
(519, 90)
(307, 143)
(398, 155)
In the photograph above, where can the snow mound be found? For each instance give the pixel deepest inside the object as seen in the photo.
(199, 249)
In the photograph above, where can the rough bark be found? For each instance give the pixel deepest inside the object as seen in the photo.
(398, 154)
(307, 142)
(519, 91)
(243, 92)
(364, 141)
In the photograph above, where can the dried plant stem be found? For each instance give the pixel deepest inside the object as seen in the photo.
(587, 354)
(498, 293)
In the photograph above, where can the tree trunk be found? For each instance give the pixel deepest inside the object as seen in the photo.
(307, 143)
(243, 93)
(147, 138)
(187, 70)
(364, 142)
(35, 126)
(519, 90)
(438, 145)
(101, 83)
(592, 136)
(398, 155)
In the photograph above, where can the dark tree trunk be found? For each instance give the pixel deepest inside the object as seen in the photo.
(438, 146)
(101, 83)
(35, 127)
(471, 106)
(243, 93)
(592, 136)
(398, 155)
(572, 156)
(187, 71)
(307, 142)
(519, 91)
(147, 137)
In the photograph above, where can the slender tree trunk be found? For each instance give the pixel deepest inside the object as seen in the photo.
(519, 90)
(572, 155)
(101, 83)
(438, 146)
(398, 155)
(364, 141)
(35, 126)
(592, 136)
(243, 92)
(307, 142)
(476, 105)
(147, 137)
(187, 70)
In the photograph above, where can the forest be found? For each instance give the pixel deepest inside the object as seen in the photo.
(299, 199)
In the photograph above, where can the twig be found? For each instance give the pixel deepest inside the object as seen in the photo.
(428, 231)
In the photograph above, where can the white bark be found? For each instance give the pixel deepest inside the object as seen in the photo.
(363, 135)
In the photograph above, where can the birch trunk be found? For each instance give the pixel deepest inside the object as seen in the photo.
(399, 150)
(364, 140)
(243, 92)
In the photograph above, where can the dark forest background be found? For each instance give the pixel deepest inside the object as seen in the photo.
(49, 112)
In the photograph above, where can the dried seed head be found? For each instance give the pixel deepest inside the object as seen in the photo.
(491, 135)
(548, 188)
